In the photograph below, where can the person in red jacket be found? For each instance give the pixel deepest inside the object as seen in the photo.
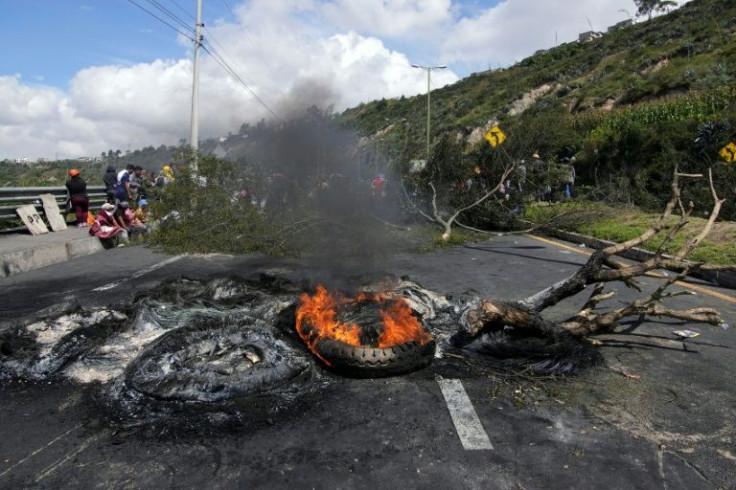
(106, 228)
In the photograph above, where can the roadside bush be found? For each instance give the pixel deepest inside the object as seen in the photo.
(200, 213)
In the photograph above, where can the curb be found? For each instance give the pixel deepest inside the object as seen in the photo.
(25, 260)
(721, 275)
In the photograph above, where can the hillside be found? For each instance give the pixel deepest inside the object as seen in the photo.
(689, 50)
(627, 106)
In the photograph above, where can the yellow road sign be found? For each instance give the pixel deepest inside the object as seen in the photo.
(728, 152)
(495, 136)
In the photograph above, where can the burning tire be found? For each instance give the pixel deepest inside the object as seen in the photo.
(371, 335)
(210, 363)
(369, 362)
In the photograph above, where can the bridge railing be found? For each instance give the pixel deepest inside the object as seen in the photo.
(13, 197)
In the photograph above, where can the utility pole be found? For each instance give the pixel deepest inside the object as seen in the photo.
(429, 90)
(194, 134)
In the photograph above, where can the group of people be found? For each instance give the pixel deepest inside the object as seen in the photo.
(551, 177)
(116, 221)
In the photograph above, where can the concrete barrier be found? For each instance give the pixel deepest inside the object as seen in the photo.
(721, 275)
(28, 256)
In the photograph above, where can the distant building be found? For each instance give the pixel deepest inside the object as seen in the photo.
(621, 25)
(589, 36)
(540, 51)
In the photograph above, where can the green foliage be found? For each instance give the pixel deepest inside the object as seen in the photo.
(199, 213)
(647, 7)
(629, 223)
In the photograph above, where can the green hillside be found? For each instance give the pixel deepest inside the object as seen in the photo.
(627, 105)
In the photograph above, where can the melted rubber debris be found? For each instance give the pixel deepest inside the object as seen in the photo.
(215, 348)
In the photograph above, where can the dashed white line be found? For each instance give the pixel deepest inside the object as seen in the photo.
(42, 448)
(466, 421)
(141, 272)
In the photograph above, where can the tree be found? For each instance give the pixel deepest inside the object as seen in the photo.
(648, 7)
(492, 315)
(450, 187)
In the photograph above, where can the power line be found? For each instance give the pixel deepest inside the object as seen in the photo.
(218, 58)
(171, 14)
(211, 51)
(223, 53)
(161, 20)
(250, 40)
(228, 6)
(184, 10)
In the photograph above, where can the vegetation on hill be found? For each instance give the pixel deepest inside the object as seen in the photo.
(628, 105)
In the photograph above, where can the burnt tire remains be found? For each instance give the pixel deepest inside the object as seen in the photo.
(370, 362)
(212, 363)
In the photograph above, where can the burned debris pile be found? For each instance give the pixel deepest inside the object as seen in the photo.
(211, 346)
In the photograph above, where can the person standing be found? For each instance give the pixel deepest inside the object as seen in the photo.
(570, 181)
(111, 181)
(136, 183)
(122, 189)
(77, 188)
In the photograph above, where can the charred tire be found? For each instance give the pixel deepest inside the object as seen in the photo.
(373, 362)
(214, 363)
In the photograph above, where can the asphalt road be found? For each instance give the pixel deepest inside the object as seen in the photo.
(659, 414)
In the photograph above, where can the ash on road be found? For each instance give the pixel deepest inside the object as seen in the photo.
(657, 414)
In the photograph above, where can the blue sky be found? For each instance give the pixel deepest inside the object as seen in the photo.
(81, 77)
(53, 39)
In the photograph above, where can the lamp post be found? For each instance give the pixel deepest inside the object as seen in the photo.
(429, 90)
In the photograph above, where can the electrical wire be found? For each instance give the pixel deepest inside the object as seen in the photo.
(191, 16)
(223, 53)
(171, 14)
(249, 38)
(211, 50)
(162, 20)
(218, 58)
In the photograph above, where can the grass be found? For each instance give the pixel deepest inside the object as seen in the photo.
(628, 223)
(619, 224)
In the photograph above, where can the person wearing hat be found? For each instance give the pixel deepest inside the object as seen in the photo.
(106, 227)
(168, 174)
(77, 188)
(140, 215)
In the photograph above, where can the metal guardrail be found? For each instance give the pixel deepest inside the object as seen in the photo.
(13, 197)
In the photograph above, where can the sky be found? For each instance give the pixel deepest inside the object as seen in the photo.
(79, 77)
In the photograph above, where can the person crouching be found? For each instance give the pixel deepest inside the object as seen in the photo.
(107, 229)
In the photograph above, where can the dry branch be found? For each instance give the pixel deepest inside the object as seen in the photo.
(601, 269)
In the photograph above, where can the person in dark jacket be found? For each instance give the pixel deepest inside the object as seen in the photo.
(77, 188)
(111, 181)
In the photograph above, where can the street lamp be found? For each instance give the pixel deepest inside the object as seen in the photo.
(429, 89)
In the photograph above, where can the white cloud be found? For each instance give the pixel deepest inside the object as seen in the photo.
(292, 54)
(516, 28)
(391, 18)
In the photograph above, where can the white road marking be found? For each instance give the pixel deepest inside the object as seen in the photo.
(46, 446)
(59, 463)
(466, 421)
(142, 272)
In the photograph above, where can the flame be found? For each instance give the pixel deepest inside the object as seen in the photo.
(400, 326)
(316, 318)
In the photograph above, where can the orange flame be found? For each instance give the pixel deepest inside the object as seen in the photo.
(400, 326)
(316, 318)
